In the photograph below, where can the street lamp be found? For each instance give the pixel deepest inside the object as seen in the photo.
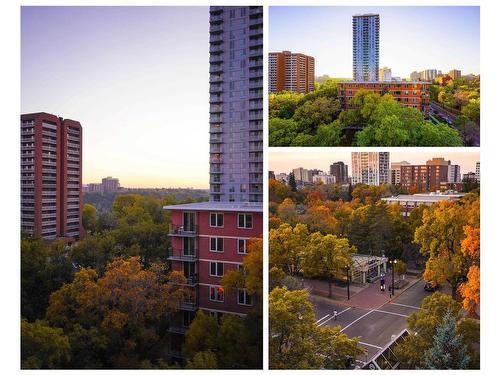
(393, 263)
(347, 272)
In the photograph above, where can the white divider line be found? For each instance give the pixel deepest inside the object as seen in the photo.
(330, 318)
(361, 317)
(409, 306)
(391, 313)
(319, 320)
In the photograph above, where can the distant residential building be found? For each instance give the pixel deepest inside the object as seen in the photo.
(271, 175)
(426, 177)
(110, 184)
(93, 188)
(428, 75)
(371, 168)
(409, 202)
(415, 76)
(385, 74)
(339, 171)
(51, 177)
(469, 177)
(315, 172)
(324, 178)
(291, 72)
(455, 74)
(454, 173)
(302, 174)
(365, 47)
(396, 172)
(409, 94)
(282, 177)
(478, 171)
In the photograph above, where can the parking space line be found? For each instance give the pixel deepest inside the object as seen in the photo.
(390, 312)
(361, 317)
(330, 318)
(319, 320)
(365, 343)
(409, 306)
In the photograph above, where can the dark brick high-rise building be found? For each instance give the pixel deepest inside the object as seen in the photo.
(51, 176)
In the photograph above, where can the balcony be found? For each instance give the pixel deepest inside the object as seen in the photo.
(216, 118)
(256, 31)
(216, 38)
(216, 169)
(215, 89)
(215, 139)
(188, 306)
(191, 280)
(256, 52)
(215, 99)
(73, 138)
(182, 255)
(214, 129)
(216, 159)
(216, 18)
(255, 83)
(216, 78)
(255, 11)
(177, 329)
(182, 231)
(214, 29)
(256, 73)
(216, 48)
(215, 108)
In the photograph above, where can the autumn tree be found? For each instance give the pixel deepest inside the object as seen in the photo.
(286, 245)
(123, 311)
(326, 257)
(296, 342)
(440, 237)
(470, 290)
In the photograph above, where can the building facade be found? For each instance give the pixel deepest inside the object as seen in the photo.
(385, 74)
(291, 72)
(302, 175)
(365, 47)
(236, 104)
(370, 168)
(478, 171)
(110, 184)
(409, 94)
(51, 177)
(454, 173)
(339, 170)
(409, 202)
(455, 74)
(428, 177)
(324, 178)
(396, 172)
(209, 239)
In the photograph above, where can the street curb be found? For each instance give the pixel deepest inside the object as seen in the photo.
(405, 289)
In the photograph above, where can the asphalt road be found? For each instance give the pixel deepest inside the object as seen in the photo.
(374, 326)
(450, 117)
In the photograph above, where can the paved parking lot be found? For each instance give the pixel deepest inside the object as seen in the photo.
(376, 320)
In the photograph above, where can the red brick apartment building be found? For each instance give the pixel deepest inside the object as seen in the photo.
(210, 239)
(51, 176)
(291, 72)
(410, 94)
(423, 177)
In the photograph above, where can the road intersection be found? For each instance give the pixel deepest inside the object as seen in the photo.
(371, 315)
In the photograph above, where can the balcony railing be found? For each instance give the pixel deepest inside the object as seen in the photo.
(181, 230)
(188, 306)
(182, 255)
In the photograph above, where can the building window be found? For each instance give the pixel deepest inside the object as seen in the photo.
(245, 221)
(216, 269)
(216, 219)
(242, 246)
(244, 298)
(217, 315)
(217, 244)
(216, 294)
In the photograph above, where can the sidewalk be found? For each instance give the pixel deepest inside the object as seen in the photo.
(368, 297)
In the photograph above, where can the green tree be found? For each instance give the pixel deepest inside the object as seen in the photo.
(42, 346)
(286, 245)
(326, 257)
(89, 218)
(296, 342)
(448, 351)
(44, 268)
(283, 104)
(282, 132)
(203, 360)
(472, 110)
(316, 112)
(291, 182)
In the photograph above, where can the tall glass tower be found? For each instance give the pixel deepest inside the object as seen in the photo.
(365, 47)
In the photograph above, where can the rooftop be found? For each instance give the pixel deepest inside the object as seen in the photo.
(218, 206)
(425, 197)
(387, 82)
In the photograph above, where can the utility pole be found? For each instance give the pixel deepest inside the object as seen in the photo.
(347, 270)
(393, 263)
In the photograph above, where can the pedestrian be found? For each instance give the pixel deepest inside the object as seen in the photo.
(335, 314)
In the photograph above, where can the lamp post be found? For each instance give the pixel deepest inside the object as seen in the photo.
(393, 263)
(347, 272)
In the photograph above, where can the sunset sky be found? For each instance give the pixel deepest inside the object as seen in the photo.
(411, 38)
(286, 161)
(137, 80)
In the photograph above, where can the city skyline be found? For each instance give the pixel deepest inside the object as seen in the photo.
(458, 48)
(284, 162)
(146, 84)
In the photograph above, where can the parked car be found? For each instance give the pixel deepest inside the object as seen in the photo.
(431, 286)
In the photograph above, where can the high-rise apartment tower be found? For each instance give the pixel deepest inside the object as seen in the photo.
(365, 47)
